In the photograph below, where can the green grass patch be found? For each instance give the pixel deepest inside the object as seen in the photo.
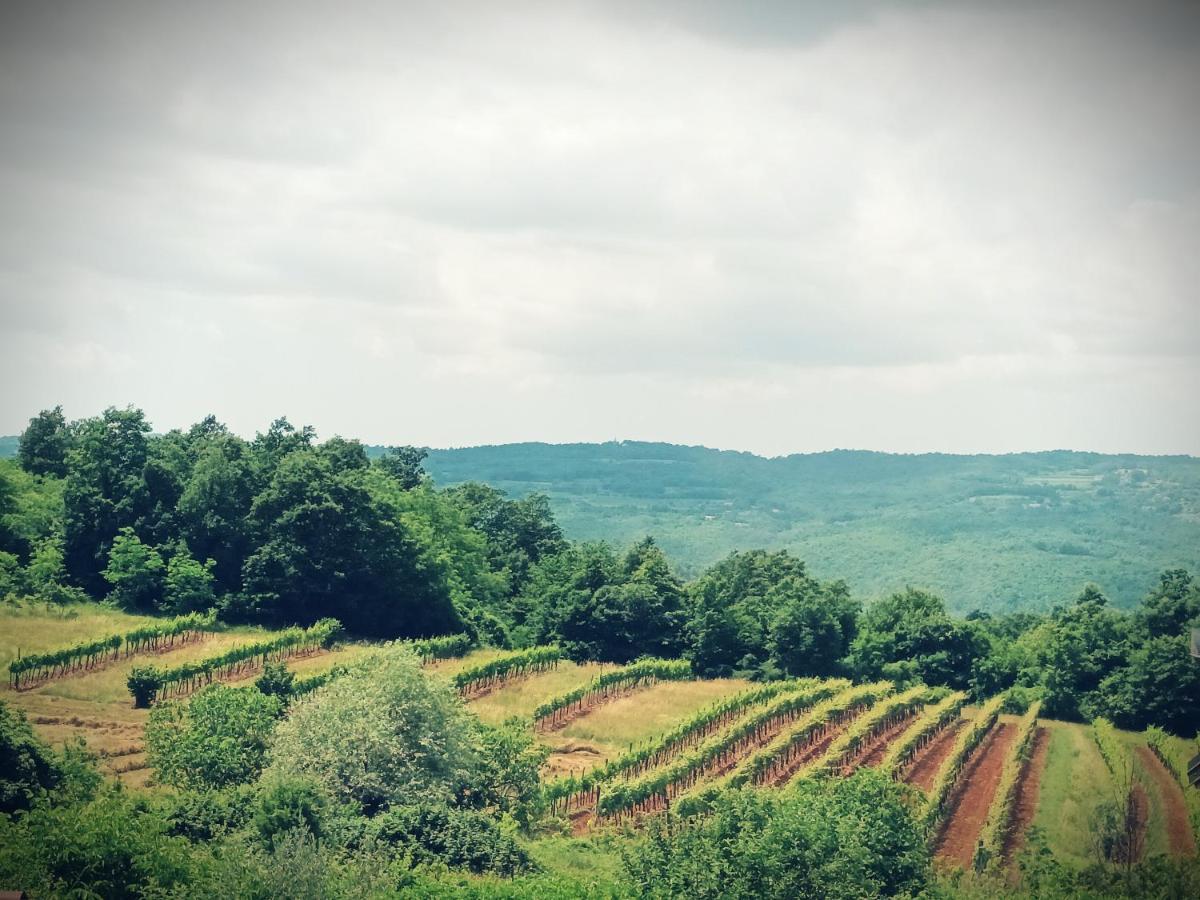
(1074, 782)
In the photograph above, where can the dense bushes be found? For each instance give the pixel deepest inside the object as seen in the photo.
(379, 736)
(849, 837)
(219, 738)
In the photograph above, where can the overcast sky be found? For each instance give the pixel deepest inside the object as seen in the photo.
(897, 226)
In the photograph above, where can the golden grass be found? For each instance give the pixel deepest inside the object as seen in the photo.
(96, 706)
(453, 666)
(31, 627)
(643, 714)
(523, 696)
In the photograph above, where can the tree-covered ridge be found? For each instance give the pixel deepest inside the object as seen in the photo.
(993, 532)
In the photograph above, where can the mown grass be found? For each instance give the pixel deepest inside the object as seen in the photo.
(1074, 783)
(524, 695)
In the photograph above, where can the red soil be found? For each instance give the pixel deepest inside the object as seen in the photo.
(873, 753)
(930, 757)
(972, 797)
(1029, 787)
(813, 752)
(1179, 830)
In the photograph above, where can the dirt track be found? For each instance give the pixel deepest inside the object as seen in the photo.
(973, 796)
(1028, 791)
(930, 758)
(1179, 830)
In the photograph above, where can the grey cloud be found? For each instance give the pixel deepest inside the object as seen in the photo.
(520, 204)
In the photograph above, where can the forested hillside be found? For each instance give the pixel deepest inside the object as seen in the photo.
(996, 533)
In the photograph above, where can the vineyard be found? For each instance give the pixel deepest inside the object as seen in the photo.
(632, 741)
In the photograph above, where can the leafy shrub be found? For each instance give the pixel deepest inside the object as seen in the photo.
(850, 837)
(27, 766)
(381, 734)
(462, 839)
(218, 739)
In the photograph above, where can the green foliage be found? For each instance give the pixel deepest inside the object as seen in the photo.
(759, 611)
(508, 777)
(985, 532)
(1085, 642)
(276, 681)
(910, 637)
(334, 543)
(27, 766)
(216, 740)
(190, 584)
(596, 606)
(839, 838)
(106, 491)
(135, 572)
(44, 444)
(144, 683)
(461, 839)
(285, 804)
(379, 735)
(116, 846)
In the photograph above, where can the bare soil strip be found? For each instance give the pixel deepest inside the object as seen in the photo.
(929, 759)
(1029, 788)
(873, 753)
(1179, 830)
(973, 796)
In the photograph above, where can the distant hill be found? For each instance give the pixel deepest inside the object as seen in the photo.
(8, 445)
(1020, 531)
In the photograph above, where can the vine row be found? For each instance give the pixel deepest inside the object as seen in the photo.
(929, 724)
(996, 827)
(26, 670)
(582, 789)
(643, 672)
(882, 716)
(490, 674)
(947, 776)
(657, 788)
(777, 758)
(150, 683)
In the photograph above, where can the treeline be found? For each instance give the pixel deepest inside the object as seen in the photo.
(283, 530)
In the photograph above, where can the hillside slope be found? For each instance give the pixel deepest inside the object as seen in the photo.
(1021, 531)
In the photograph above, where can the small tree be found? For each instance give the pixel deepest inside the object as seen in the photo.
(135, 572)
(276, 681)
(144, 683)
(189, 584)
(44, 444)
